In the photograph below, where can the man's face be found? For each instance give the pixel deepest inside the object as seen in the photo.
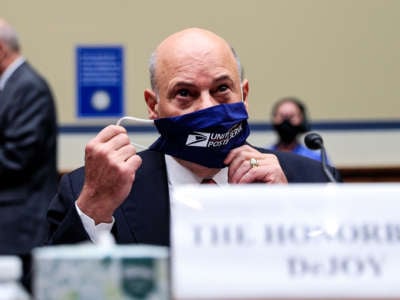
(288, 111)
(194, 73)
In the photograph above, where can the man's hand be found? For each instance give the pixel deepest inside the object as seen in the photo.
(110, 167)
(267, 170)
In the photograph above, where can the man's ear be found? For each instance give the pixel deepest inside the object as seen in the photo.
(152, 103)
(245, 89)
(3, 51)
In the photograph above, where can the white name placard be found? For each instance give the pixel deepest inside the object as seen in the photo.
(286, 241)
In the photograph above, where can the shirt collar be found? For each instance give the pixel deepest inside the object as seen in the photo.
(178, 174)
(10, 70)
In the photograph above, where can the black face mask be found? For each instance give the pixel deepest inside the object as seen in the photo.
(288, 132)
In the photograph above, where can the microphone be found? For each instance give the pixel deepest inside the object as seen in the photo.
(314, 141)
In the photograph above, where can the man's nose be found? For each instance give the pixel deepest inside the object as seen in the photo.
(207, 100)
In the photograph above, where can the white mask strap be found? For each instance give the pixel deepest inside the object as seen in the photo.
(137, 120)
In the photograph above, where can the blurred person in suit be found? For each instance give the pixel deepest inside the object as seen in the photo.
(290, 121)
(28, 141)
(198, 101)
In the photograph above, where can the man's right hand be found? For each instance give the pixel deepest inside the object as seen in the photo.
(111, 163)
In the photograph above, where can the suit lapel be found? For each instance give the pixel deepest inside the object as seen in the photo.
(146, 212)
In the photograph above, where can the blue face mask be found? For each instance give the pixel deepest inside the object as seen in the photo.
(205, 136)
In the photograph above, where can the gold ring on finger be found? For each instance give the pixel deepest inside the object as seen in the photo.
(253, 162)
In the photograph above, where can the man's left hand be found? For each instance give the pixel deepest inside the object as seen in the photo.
(247, 165)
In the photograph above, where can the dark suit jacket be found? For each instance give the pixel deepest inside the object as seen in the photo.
(144, 216)
(28, 174)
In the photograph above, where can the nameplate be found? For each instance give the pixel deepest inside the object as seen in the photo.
(292, 241)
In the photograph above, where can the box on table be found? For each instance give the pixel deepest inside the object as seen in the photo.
(88, 271)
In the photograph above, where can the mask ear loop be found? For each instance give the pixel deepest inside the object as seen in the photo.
(137, 120)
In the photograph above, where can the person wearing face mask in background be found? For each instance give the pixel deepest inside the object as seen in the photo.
(289, 119)
(28, 152)
(198, 101)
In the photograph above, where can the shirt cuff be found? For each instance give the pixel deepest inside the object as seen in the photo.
(94, 231)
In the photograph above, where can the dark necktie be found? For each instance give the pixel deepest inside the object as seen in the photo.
(208, 181)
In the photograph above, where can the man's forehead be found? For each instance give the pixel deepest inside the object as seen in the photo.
(192, 43)
(193, 54)
(191, 36)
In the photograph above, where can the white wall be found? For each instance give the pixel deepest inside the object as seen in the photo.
(341, 57)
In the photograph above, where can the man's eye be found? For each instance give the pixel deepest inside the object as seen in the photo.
(222, 88)
(183, 93)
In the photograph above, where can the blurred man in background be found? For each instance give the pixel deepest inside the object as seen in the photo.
(28, 140)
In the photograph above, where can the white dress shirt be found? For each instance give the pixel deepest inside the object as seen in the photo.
(177, 175)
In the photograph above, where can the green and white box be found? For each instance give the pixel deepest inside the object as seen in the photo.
(94, 272)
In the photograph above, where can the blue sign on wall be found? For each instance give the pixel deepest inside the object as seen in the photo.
(100, 78)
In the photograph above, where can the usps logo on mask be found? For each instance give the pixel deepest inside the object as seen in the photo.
(198, 139)
(209, 140)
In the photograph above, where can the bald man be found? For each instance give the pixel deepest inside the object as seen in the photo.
(28, 139)
(198, 101)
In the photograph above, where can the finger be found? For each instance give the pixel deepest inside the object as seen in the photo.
(267, 171)
(233, 154)
(255, 174)
(234, 160)
(105, 150)
(118, 141)
(244, 152)
(125, 152)
(133, 163)
(108, 132)
(246, 178)
(239, 159)
(238, 168)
